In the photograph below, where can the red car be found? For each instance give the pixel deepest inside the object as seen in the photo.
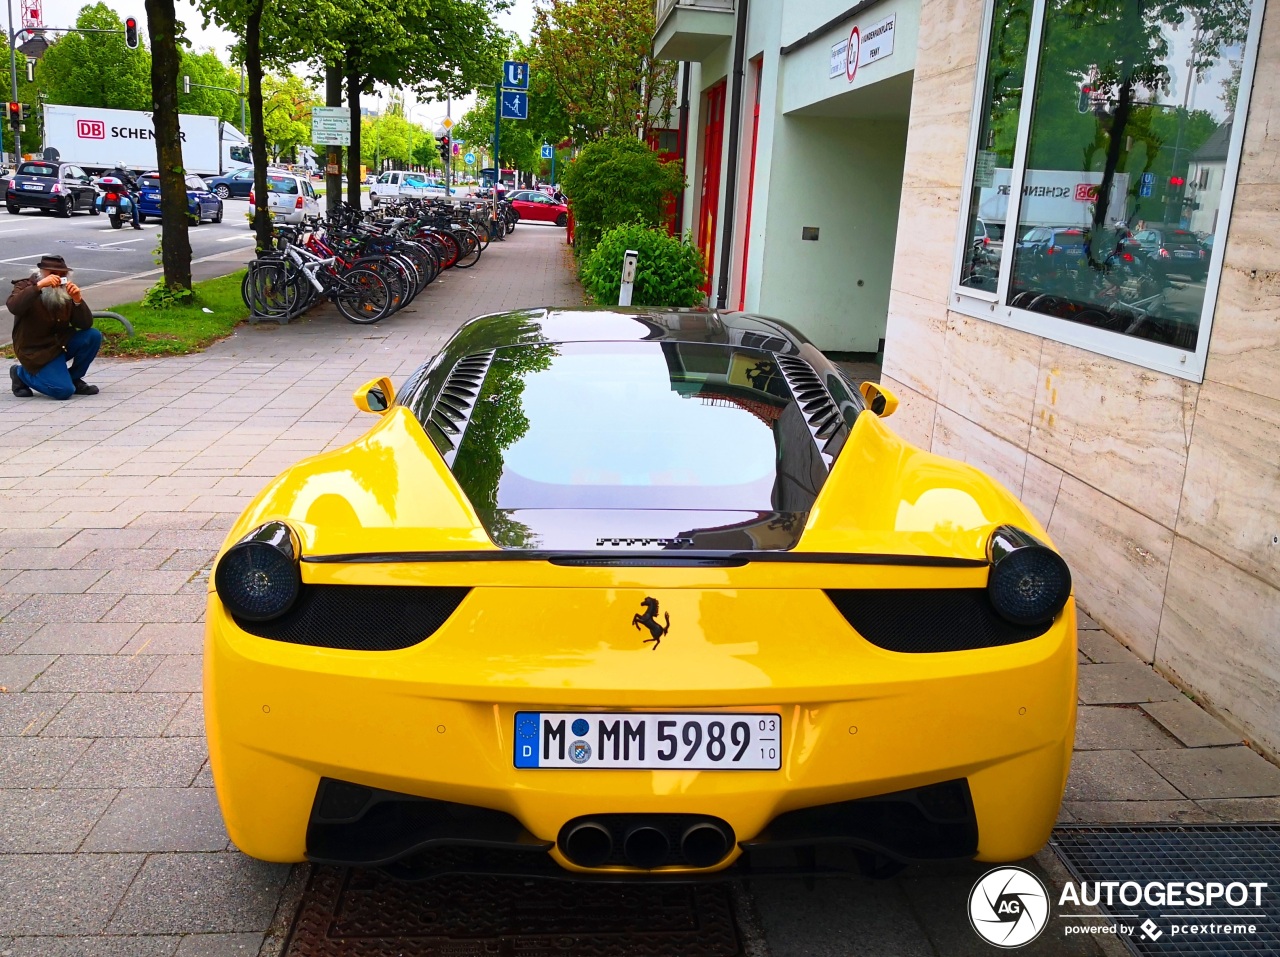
(539, 208)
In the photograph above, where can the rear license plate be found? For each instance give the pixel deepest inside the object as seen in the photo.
(111, 210)
(1185, 253)
(36, 186)
(703, 742)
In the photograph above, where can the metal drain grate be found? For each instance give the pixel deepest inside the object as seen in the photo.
(1224, 853)
(355, 913)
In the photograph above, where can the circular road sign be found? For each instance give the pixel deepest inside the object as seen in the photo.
(470, 159)
(851, 55)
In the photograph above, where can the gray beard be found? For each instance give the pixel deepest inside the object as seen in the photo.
(56, 298)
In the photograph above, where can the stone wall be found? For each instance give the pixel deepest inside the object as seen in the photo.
(1163, 494)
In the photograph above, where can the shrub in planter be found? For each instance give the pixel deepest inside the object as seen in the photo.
(669, 272)
(617, 181)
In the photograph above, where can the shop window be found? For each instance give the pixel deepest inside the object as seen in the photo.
(1098, 129)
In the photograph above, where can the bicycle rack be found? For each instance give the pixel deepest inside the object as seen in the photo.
(128, 326)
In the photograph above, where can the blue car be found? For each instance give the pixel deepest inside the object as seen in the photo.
(201, 203)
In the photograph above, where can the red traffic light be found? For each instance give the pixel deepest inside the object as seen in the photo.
(131, 33)
(1177, 181)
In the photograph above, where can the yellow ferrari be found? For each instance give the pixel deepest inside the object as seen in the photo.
(638, 595)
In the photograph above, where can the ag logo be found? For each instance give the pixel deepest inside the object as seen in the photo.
(1008, 907)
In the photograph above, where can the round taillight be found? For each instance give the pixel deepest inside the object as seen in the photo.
(257, 579)
(1029, 582)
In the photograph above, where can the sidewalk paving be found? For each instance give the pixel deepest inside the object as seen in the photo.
(110, 838)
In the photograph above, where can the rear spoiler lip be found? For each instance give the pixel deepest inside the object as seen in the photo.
(674, 557)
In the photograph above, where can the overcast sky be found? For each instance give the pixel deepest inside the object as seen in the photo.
(62, 13)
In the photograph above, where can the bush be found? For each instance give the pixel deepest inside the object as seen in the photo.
(668, 272)
(617, 181)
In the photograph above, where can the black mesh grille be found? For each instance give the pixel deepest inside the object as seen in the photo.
(361, 617)
(448, 417)
(922, 620)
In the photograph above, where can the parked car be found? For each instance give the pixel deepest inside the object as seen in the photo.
(290, 197)
(61, 188)
(709, 541)
(397, 184)
(1173, 250)
(538, 207)
(202, 203)
(235, 184)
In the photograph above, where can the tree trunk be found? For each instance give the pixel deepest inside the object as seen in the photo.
(175, 252)
(353, 151)
(257, 127)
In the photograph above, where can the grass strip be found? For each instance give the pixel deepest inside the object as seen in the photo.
(178, 330)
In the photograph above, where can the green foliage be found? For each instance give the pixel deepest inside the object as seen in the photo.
(163, 296)
(669, 272)
(178, 329)
(617, 181)
(96, 69)
(207, 70)
(286, 112)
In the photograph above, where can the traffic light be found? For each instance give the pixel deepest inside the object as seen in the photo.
(1086, 99)
(446, 147)
(1177, 181)
(15, 114)
(131, 33)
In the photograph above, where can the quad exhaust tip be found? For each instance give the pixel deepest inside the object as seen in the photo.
(704, 845)
(646, 842)
(646, 847)
(588, 844)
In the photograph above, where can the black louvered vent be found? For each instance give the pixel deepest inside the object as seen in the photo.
(448, 418)
(820, 410)
(361, 617)
(928, 620)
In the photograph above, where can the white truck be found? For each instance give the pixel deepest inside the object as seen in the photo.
(97, 140)
(397, 184)
(1052, 198)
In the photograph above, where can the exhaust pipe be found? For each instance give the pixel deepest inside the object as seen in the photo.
(704, 845)
(588, 844)
(645, 847)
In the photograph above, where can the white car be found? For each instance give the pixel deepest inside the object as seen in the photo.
(290, 198)
(397, 184)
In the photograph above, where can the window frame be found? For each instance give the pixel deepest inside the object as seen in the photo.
(979, 304)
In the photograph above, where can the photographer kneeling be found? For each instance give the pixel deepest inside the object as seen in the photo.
(51, 327)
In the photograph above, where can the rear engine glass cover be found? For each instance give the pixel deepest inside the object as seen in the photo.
(649, 444)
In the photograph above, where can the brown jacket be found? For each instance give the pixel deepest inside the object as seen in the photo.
(39, 336)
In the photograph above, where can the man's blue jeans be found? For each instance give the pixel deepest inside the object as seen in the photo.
(55, 379)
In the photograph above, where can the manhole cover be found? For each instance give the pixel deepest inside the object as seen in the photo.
(354, 913)
(1158, 871)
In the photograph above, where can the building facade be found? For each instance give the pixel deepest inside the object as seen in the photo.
(1058, 222)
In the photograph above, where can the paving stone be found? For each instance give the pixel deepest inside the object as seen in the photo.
(32, 558)
(1202, 773)
(62, 893)
(192, 559)
(1244, 809)
(146, 559)
(1190, 723)
(220, 945)
(138, 763)
(1110, 728)
(201, 893)
(92, 538)
(54, 582)
(167, 639)
(38, 762)
(1139, 812)
(13, 635)
(34, 537)
(96, 673)
(1116, 776)
(1084, 622)
(48, 820)
(134, 581)
(176, 673)
(189, 722)
(1101, 648)
(1123, 683)
(160, 819)
(93, 715)
(208, 540)
(80, 638)
(96, 946)
(27, 714)
(157, 608)
(205, 778)
(18, 671)
(63, 608)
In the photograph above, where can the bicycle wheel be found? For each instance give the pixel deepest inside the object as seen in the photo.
(273, 289)
(470, 245)
(361, 295)
(397, 284)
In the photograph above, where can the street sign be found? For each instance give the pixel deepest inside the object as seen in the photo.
(447, 123)
(470, 159)
(548, 151)
(515, 75)
(331, 125)
(515, 105)
(1148, 179)
(1144, 190)
(457, 148)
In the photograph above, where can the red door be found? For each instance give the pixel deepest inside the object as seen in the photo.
(757, 65)
(709, 208)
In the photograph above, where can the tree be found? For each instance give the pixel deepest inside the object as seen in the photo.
(519, 140)
(286, 104)
(96, 69)
(596, 56)
(207, 71)
(175, 247)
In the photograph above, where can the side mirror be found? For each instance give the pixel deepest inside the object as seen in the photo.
(879, 399)
(376, 395)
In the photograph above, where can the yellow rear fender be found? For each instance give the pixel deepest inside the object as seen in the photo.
(886, 495)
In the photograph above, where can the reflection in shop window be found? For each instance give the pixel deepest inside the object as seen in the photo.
(1131, 121)
(997, 135)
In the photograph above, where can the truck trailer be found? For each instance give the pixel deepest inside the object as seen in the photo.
(97, 140)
